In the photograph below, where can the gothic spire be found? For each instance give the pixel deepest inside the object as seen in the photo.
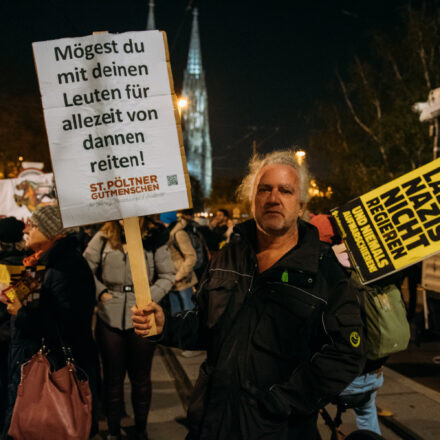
(194, 66)
(195, 117)
(151, 24)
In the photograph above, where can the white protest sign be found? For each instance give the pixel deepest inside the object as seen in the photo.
(111, 115)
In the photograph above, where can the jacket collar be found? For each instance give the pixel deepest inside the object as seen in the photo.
(303, 257)
(61, 250)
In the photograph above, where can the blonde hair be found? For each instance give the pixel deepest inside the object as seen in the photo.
(246, 190)
(113, 231)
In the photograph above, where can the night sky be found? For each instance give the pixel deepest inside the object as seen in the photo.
(266, 63)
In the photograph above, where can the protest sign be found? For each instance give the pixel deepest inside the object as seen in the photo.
(20, 282)
(114, 133)
(395, 225)
(111, 114)
(19, 197)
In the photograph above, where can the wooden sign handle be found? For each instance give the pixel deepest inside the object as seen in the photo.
(138, 265)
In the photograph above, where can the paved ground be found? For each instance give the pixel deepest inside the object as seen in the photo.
(414, 407)
(417, 363)
(165, 407)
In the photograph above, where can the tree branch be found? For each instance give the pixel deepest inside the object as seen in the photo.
(359, 122)
(422, 55)
(368, 88)
(397, 72)
(339, 130)
(352, 110)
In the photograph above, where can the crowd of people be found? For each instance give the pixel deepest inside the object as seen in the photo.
(87, 274)
(267, 299)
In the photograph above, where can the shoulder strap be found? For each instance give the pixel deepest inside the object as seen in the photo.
(98, 273)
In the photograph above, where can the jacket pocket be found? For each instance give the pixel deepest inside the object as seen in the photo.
(111, 310)
(281, 327)
(219, 294)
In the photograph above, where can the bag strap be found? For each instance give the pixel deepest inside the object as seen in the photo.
(98, 272)
(65, 348)
(67, 351)
(176, 244)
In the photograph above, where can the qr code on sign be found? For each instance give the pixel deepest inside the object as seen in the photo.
(172, 180)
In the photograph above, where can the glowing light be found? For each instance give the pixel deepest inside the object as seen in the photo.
(182, 103)
(300, 156)
(20, 158)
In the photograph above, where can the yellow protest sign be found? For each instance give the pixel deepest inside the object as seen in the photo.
(19, 281)
(395, 225)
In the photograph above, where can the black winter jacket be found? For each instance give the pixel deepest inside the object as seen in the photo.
(280, 344)
(67, 299)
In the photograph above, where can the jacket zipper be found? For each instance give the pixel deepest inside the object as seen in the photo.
(252, 280)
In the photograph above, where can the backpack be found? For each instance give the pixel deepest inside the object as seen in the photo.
(384, 318)
(199, 245)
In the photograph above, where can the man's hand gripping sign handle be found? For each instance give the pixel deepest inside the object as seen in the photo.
(143, 319)
(138, 268)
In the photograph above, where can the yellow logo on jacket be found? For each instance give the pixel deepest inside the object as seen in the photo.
(355, 339)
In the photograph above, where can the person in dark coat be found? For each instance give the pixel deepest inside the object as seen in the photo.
(62, 307)
(12, 252)
(282, 330)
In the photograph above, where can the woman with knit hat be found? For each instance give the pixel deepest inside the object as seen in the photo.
(64, 303)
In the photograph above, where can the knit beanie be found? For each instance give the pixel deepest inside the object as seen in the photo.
(48, 220)
(11, 230)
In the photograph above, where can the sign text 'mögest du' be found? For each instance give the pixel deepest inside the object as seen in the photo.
(394, 226)
(110, 113)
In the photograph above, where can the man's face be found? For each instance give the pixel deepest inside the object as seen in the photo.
(276, 205)
(35, 239)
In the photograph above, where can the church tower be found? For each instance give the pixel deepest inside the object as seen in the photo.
(197, 140)
(151, 24)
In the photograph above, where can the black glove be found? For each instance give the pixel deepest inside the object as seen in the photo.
(268, 401)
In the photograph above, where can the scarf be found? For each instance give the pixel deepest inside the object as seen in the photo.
(32, 260)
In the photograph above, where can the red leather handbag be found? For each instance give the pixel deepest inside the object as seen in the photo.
(51, 405)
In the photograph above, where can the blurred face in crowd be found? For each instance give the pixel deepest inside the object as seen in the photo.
(220, 218)
(276, 205)
(35, 239)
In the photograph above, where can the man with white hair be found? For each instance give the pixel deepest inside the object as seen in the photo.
(282, 330)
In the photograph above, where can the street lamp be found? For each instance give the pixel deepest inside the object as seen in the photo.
(300, 156)
(181, 104)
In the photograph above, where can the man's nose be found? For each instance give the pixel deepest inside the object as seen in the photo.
(273, 196)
